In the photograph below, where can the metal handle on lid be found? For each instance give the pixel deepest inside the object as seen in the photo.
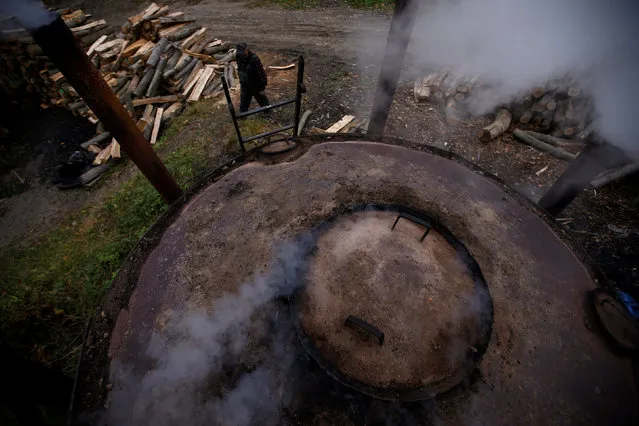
(354, 322)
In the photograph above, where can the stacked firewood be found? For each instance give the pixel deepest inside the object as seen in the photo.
(559, 108)
(160, 61)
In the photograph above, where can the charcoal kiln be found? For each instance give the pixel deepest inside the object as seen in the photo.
(352, 281)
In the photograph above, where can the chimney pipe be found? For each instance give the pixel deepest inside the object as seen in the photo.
(59, 44)
(398, 39)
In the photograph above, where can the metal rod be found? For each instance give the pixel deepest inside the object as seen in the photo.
(265, 108)
(298, 94)
(269, 133)
(59, 44)
(398, 39)
(593, 159)
(229, 103)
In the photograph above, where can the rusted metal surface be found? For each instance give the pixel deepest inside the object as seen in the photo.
(59, 44)
(543, 365)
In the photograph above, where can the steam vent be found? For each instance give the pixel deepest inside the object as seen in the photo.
(352, 282)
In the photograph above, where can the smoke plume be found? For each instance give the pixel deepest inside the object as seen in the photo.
(31, 13)
(515, 45)
(192, 358)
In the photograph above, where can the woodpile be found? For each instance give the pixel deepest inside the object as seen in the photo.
(558, 108)
(157, 63)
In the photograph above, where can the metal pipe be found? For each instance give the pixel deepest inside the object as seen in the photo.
(229, 104)
(592, 160)
(299, 89)
(60, 45)
(398, 39)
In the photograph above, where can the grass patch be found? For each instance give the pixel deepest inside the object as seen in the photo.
(53, 286)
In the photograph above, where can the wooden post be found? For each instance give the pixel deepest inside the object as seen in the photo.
(59, 44)
(398, 38)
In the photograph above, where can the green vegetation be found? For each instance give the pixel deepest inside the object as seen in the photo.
(53, 286)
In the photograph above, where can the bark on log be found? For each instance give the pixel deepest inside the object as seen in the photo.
(88, 39)
(182, 33)
(224, 47)
(615, 175)
(144, 83)
(554, 151)
(93, 173)
(74, 19)
(553, 140)
(154, 58)
(155, 82)
(187, 69)
(89, 28)
(526, 117)
(172, 62)
(193, 38)
(96, 140)
(155, 100)
(499, 126)
(172, 111)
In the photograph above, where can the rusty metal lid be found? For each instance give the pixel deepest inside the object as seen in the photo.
(393, 305)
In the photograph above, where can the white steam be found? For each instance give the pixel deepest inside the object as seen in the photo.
(200, 348)
(31, 13)
(516, 45)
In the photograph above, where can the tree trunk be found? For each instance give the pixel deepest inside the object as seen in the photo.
(555, 152)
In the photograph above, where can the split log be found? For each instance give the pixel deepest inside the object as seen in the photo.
(201, 84)
(120, 58)
(94, 149)
(145, 14)
(172, 111)
(155, 82)
(429, 85)
(156, 125)
(109, 45)
(88, 28)
(202, 43)
(200, 56)
(154, 58)
(499, 126)
(192, 80)
(554, 151)
(149, 111)
(96, 140)
(115, 149)
(96, 44)
(144, 51)
(615, 175)
(155, 100)
(193, 38)
(144, 83)
(134, 47)
(335, 128)
(103, 156)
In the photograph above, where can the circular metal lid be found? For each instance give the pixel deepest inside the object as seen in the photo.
(394, 305)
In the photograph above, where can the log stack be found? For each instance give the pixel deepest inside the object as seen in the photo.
(558, 108)
(160, 60)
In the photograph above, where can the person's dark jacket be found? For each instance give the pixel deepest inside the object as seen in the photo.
(251, 71)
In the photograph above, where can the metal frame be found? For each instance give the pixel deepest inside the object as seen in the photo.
(299, 90)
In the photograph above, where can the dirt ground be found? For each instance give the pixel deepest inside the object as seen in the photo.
(340, 46)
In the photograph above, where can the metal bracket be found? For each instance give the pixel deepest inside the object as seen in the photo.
(416, 220)
(357, 323)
